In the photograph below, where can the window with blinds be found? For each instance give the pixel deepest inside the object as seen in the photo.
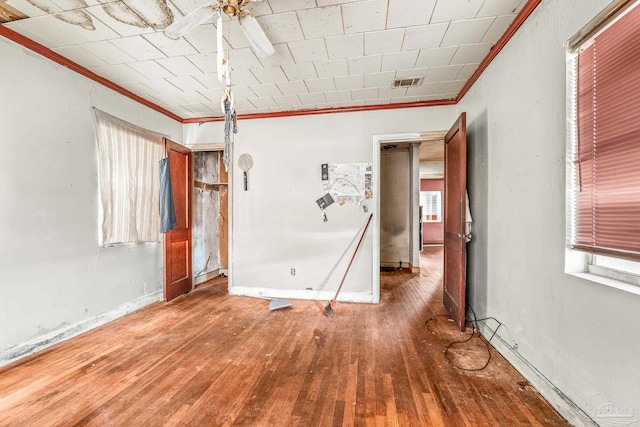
(604, 199)
(431, 202)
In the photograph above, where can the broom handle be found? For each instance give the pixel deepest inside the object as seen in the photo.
(352, 258)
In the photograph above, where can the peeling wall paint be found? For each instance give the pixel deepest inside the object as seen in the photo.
(206, 202)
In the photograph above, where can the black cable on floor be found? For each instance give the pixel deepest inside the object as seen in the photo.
(474, 325)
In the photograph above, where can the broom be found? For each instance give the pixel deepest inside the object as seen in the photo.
(328, 310)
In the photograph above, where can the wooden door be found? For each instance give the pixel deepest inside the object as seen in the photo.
(455, 250)
(178, 278)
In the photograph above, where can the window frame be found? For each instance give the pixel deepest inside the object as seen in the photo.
(613, 271)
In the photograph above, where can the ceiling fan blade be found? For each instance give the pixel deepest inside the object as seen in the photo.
(254, 33)
(199, 16)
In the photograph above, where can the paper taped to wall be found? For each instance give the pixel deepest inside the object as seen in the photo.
(349, 182)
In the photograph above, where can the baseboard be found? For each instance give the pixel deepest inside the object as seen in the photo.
(268, 293)
(19, 351)
(560, 401)
(206, 277)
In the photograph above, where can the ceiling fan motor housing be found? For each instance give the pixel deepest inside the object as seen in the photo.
(231, 7)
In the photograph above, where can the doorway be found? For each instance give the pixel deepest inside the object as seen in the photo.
(454, 143)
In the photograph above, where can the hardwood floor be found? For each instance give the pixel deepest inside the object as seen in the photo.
(210, 359)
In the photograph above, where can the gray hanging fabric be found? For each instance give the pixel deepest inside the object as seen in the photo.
(167, 210)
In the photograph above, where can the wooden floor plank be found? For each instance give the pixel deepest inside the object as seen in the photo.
(208, 358)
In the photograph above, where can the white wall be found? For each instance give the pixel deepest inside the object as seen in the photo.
(276, 225)
(583, 337)
(54, 277)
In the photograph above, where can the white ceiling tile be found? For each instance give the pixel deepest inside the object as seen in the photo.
(304, 71)
(137, 87)
(81, 56)
(454, 10)
(281, 56)
(365, 64)
(118, 73)
(169, 46)
(264, 102)
(424, 89)
(388, 92)
(399, 60)
(108, 52)
(438, 74)
(498, 7)
(470, 54)
(414, 72)
(288, 101)
(26, 8)
(312, 98)
(333, 68)
(386, 41)
(123, 29)
(379, 79)
(186, 6)
(60, 33)
(138, 47)
(150, 69)
(260, 8)
(293, 88)
(350, 82)
(203, 38)
(364, 16)
(269, 74)
(159, 85)
(264, 91)
(322, 3)
(281, 27)
(466, 32)
(308, 50)
(435, 57)
(198, 108)
(215, 95)
(167, 98)
(210, 80)
(321, 22)
(362, 94)
(498, 28)
(243, 105)
(179, 66)
(345, 46)
(467, 71)
(232, 33)
(339, 96)
(243, 78)
(192, 97)
(242, 92)
(186, 83)
(378, 101)
(350, 104)
(206, 62)
(401, 14)
(450, 88)
(404, 99)
(241, 59)
(320, 85)
(424, 36)
(279, 6)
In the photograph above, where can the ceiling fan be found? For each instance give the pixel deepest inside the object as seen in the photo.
(232, 8)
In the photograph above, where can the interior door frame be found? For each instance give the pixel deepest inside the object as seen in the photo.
(413, 138)
(219, 146)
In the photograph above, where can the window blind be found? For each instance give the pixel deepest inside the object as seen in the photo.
(607, 210)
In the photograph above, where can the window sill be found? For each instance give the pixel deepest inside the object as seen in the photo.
(612, 283)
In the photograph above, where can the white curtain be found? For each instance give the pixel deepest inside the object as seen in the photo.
(128, 166)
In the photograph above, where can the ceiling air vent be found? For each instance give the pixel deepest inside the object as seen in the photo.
(408, 82)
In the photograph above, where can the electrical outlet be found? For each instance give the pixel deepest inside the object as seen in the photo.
(293, 271)
(325, 171)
